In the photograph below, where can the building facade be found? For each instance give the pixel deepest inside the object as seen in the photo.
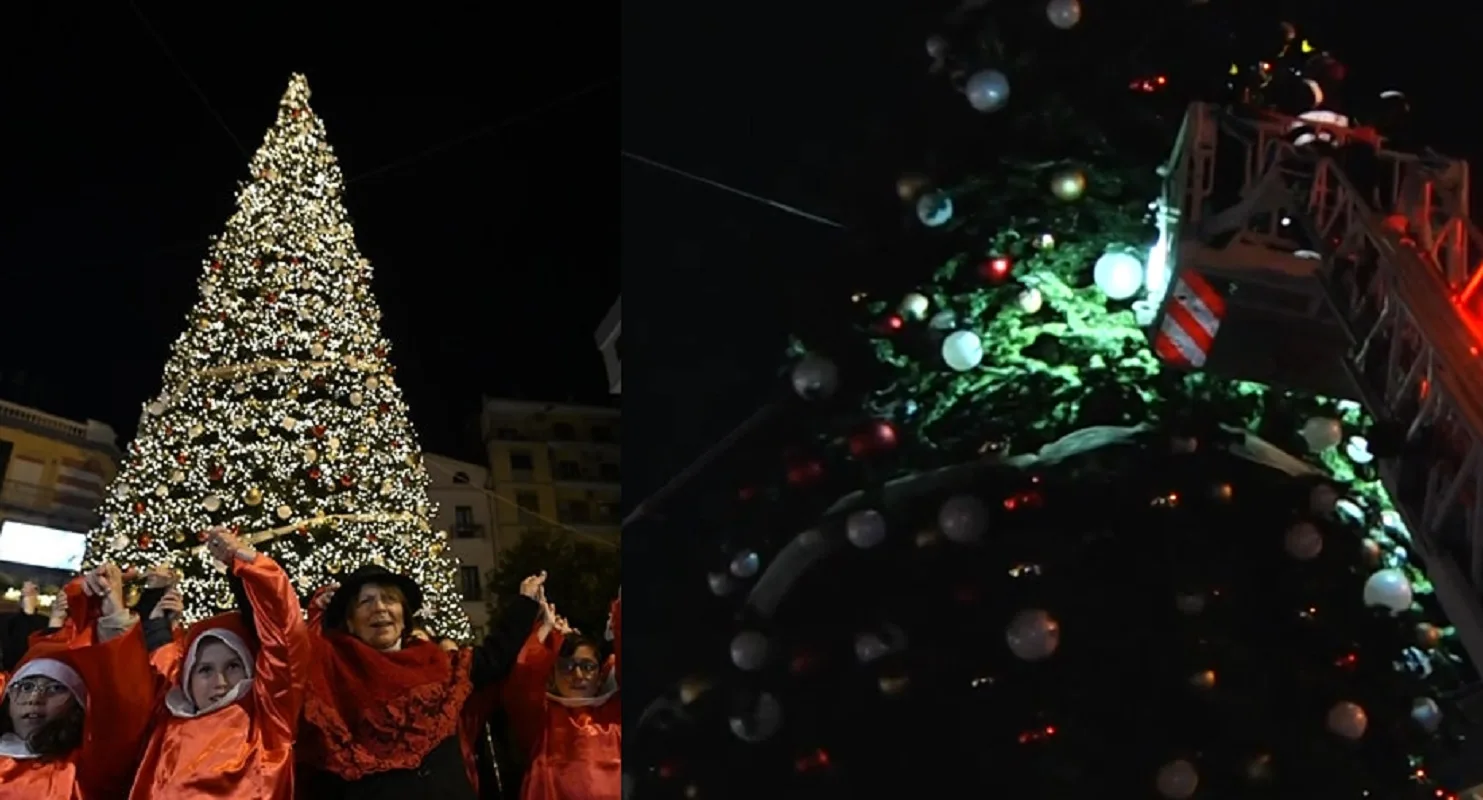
(552, 466)
(610, 342)
(466, 510)
(53, 470)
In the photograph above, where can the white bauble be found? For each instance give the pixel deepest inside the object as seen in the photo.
(746, 564)
(761, 722)
(815, 377)
(1322, 433)
(870, 647)
(749, 650)
(914, 306)
(935, 209)
(1348, 720)
(1177, 780)
(721, 583)
(937, 46)
(962, 350)
(1303, 541)
(212, 502)
(1033, 635)
(1358, 450)
(1426, 713)
(1118, 275)
(1031, 301)
(865, 529)
(987, 90)
(963, 519)
(1389, 588)
(1063, 14)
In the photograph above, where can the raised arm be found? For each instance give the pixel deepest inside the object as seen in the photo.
(524, 693)
(120, 709)
(281, 669)
(494, 658)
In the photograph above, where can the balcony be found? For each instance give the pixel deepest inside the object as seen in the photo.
(467, 530)
(69, 509)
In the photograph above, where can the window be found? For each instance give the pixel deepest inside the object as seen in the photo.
(530, 507)
(601, 433)
(568, 470)
(464, 526)
(460, 477)
(521, 461)
(576, 511)
(472, 583)
(610, 472)
(563, 432)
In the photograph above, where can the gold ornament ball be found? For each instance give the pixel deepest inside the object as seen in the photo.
(1371, 552)
(1428, 635)
(253, 496)
(911, 185)
(1068, 185)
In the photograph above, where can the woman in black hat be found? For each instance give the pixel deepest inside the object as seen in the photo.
(383, 711)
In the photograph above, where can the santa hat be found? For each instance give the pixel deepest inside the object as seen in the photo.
(57, 671)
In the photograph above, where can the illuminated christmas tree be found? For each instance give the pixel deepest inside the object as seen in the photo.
(279, 416)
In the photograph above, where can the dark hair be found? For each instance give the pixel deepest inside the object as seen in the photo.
(57, 737)
(569, 645)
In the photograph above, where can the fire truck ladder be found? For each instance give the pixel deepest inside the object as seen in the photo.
(1379, 271)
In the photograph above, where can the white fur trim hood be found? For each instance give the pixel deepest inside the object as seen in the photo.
(178, 701)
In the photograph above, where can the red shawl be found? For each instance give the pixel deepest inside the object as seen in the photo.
(369, 711)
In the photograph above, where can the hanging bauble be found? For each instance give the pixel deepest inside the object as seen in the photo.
(749, 651)
(937, 46)
(139, 507)
(963, 519)
(145, 540)
(962, 350)
(1348, 720)
(1177, 780)
(119, 542)
(1033, 635)
(746, 564)
(1068, 184)
(157, 408)
(162, 491)
(876, 438)
(935, 208)
(1428, 636)
(815, 377)
(1063, 14)
(1388, 588)
(870, 647)
(316, 350)
(284, 512)
(721, 583)
(1303, 541)
(1031, 301)
(1322, 433)
(1426, 713)
(914, 306)
(1118, 275)
(987, 90)
(356, 398)
(1358, 450)
(865, 529)
(195, 430)
(759, 723)
(211, 503)
(911, 185)
(253, 496)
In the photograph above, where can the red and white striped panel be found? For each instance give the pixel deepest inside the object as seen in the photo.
(1192, 316)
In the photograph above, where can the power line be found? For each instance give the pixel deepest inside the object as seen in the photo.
(179, 68)
(757, 198)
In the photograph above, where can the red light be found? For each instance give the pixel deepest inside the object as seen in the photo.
(996, 268)
(894, 323)
(818, 759)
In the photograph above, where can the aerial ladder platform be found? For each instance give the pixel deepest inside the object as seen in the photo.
(1347, 270)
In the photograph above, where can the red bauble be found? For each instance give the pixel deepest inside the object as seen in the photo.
(803, 473)
(139, 507)
(318, 431)
(271, 297)
(216, 266)
(996, 268)
(876, 438)
(180, 458)
(893, 323)
(201, 536)
(381, 352)
(347, 480)
(145, 540)
(383, 408)
(217, 472)
(314, 473)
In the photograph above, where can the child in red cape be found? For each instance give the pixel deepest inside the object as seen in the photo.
(566, 713)
(234, 686)
(72, 723)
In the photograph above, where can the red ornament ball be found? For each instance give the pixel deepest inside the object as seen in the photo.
(878, 437)
(145, 540)
(996, 268)
(347, 480)
(318, 431)
(139, 507)
(803, 473)
(314, 473)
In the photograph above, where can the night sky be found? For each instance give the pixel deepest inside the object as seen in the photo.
(479, 146)
(820, 106)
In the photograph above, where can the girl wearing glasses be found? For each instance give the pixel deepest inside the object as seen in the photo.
(564, 708)
(72, 720)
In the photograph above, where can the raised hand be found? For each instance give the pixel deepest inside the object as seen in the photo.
(171, 605)
(58, 614)
(534, 587)
(30, 597)
(325, 595)
(563, 627)
(224, 546)
(160, 577)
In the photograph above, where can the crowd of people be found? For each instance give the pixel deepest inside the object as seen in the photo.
(352, 699)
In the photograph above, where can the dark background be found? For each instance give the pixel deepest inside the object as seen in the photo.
(821, 105)
(477, 139)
